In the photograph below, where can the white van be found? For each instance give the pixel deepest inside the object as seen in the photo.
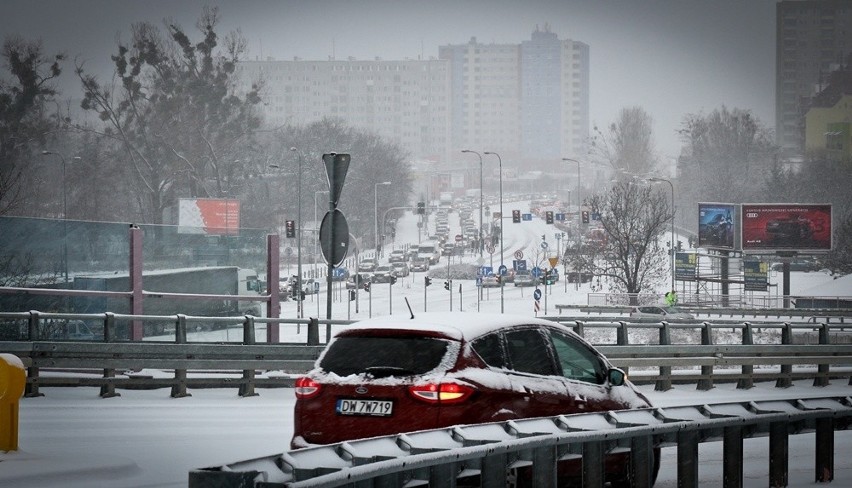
(430, 250)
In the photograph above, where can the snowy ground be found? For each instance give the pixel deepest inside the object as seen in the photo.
(73, 438)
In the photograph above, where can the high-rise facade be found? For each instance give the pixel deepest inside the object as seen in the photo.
(527, 101)
(813, 38)
(406, 102)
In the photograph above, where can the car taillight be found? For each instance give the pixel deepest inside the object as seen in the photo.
(306, 387)
(441, 392)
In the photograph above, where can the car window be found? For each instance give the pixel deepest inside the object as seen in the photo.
(490, 350)
(577, 361)
(528, 352)
(383, 356)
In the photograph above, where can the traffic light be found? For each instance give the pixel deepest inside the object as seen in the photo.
(367, 287)
(548, 217)
(516, 216)
(427, 280)
(447, 285)
(393, 280)
(421, 208)
(351, 295)
(585, 216)
(290, 228)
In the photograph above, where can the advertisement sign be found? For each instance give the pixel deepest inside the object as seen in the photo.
(215, 216)
(685, 264)
(716, 225)
(786, 227)
(754, 275)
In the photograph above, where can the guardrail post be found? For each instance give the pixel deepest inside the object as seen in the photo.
(824, 468)
(641, 461)
(732, 457)
(12, 381)
(494, 470)
(822, 369)
(544, 466)
(593, 464)
(621, 339)
(778, 454)
(108, 388)
(786, 379)
(31, 389)
(687, 459)
(579, 328)
(313, 331)
(747, 369)
(179, 387)
(247, 386)
(706, 382)
(665, 381)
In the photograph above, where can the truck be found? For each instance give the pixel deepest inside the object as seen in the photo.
(214, 280)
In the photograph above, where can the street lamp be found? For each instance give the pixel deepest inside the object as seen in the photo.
(673, 232)
(577, 285)
(376, 214)
(480, 199)
(500, 162)
(64, 210)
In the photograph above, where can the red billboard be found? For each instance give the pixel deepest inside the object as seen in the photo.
(209, 216)
(786, 227)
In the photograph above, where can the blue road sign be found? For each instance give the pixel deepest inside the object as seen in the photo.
(560, 216)
(536, 272)
(537, 293)
(486, 271)
(543, 244)
(338, 272)
(519, 264)
(526, 216)
(502, 270)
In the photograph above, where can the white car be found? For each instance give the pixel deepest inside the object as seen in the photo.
(660, 313)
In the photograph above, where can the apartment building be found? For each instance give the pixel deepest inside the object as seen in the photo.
(812, 39)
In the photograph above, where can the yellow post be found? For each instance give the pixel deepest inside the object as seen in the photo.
(13, 378)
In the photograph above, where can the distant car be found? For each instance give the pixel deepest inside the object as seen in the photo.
(525, 278)
(357, 280)
(388, 375)
(400, 269)
(382, 274)
(419, 264)
(490, 281)
(660, 313)
(396, 256)
(367, 265)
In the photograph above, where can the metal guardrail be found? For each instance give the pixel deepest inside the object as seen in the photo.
(106, 364)
(485, 453)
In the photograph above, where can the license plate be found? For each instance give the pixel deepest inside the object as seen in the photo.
(372, 408)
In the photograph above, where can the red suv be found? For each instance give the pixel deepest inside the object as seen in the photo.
(395, 374)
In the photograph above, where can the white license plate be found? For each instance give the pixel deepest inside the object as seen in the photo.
(373, 408)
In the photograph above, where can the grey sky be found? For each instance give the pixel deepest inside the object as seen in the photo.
(671, 57)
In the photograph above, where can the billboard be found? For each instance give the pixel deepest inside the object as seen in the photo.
(216, 216)
(685, 266)
(786, 227)
(716, 225)
(754, 275)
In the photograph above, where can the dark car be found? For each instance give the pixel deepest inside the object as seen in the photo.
(790, 228)
(390, 375)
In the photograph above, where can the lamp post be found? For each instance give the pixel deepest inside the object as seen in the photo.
(376, 214)
(500, 163)
(480, 199)
(64, 211)
(300, 312)
(577, 284)
(673, 233)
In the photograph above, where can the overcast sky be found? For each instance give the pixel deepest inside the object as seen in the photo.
(670, 57)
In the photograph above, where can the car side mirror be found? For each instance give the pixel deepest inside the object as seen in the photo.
(616, 376)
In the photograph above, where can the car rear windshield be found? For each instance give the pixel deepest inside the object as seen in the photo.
(384, 356)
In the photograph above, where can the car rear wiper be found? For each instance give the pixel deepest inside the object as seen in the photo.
(385, 371)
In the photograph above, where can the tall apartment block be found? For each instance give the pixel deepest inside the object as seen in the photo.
(528, 100)
(813, 37)
(406, 102)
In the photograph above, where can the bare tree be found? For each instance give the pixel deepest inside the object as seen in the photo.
(627, 253)
(627, 146)
(24, 116)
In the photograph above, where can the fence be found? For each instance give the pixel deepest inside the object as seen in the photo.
(482, 455)
(658, 353)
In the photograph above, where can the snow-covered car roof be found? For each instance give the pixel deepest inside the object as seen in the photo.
(456, 325)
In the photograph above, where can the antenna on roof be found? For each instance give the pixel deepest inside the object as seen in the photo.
(409, 308)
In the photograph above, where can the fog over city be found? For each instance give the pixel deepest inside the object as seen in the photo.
(670, 57)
